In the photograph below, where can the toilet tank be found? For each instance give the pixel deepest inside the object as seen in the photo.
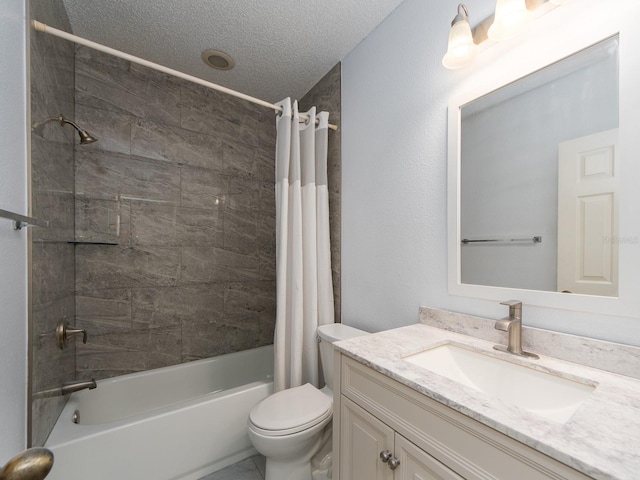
(328, 334)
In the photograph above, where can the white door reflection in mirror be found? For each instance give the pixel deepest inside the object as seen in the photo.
(588, 183)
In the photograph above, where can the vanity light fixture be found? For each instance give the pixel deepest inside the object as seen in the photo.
(511, 17)
(461, 48)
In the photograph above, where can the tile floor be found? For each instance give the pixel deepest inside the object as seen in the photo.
(250, 469)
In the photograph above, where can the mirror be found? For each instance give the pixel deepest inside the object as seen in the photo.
(538, 197)
(504, 177)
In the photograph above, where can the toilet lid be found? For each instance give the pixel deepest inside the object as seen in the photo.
(291, 410)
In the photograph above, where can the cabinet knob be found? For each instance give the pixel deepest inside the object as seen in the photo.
(393, 463)
(385, 455)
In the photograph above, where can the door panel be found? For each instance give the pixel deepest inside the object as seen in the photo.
(588, 215)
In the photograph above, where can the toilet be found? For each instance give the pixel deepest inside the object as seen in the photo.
(289, 427)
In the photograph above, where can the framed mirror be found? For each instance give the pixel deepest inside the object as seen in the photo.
(541, 177)
(523, 221)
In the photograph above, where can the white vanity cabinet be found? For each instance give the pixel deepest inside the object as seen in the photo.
(366, 440)
(430, 440)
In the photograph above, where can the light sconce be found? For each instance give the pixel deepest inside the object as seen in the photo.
(511, 17)
(461, 48)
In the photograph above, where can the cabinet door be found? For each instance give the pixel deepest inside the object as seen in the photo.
(363, 437)
(416, 464)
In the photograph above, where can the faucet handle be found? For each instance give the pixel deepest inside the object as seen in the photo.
(75, 331)
(63, 332)
(515, 308)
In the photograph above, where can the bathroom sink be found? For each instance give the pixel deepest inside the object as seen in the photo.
(545, 394)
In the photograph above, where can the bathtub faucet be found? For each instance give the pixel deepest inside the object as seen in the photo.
(71, 387)
(66, 389)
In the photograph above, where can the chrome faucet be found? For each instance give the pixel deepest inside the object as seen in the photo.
(513, 326)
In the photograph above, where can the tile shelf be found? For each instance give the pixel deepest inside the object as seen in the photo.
(85, 242)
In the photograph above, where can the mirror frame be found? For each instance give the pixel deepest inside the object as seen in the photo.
(557, 35)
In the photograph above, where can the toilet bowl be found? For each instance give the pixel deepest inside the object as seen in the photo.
(290, 427)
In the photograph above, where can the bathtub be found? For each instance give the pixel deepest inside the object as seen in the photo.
(180, 422)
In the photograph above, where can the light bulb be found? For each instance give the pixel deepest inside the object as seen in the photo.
(510, 18)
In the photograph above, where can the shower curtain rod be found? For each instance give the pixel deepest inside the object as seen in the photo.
(42, 27)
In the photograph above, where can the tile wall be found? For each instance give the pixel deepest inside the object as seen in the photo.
(182, 181)
(52, 198)
(173, 210)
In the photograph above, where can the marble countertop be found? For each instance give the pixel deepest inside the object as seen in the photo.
(601, 439)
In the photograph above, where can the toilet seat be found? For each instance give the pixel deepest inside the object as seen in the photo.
(290, 411)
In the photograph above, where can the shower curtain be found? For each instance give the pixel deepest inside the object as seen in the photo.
(303, 256)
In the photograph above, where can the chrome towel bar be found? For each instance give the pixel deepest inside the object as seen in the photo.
(536, 239)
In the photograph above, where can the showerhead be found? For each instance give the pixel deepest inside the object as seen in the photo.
(85, 137)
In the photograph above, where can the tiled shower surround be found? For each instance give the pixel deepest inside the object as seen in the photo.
(182, 181)
(52, 199)
(172, 213)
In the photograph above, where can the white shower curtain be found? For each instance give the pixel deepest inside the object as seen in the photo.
(303, 256)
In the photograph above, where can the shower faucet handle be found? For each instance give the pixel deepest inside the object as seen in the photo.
(63, 332)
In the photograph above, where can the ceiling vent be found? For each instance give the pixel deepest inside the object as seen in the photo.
(217, 59)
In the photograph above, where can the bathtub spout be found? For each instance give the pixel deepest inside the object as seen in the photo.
(71, 387)
(65, 389)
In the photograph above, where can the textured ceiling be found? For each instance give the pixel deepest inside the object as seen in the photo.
(281, 47)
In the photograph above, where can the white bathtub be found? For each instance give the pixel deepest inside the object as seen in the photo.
(180, 422)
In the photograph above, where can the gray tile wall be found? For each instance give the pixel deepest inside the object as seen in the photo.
(52, 197)
(182, 179)
(326, 95)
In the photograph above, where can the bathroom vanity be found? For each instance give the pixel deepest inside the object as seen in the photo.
(395, 418)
